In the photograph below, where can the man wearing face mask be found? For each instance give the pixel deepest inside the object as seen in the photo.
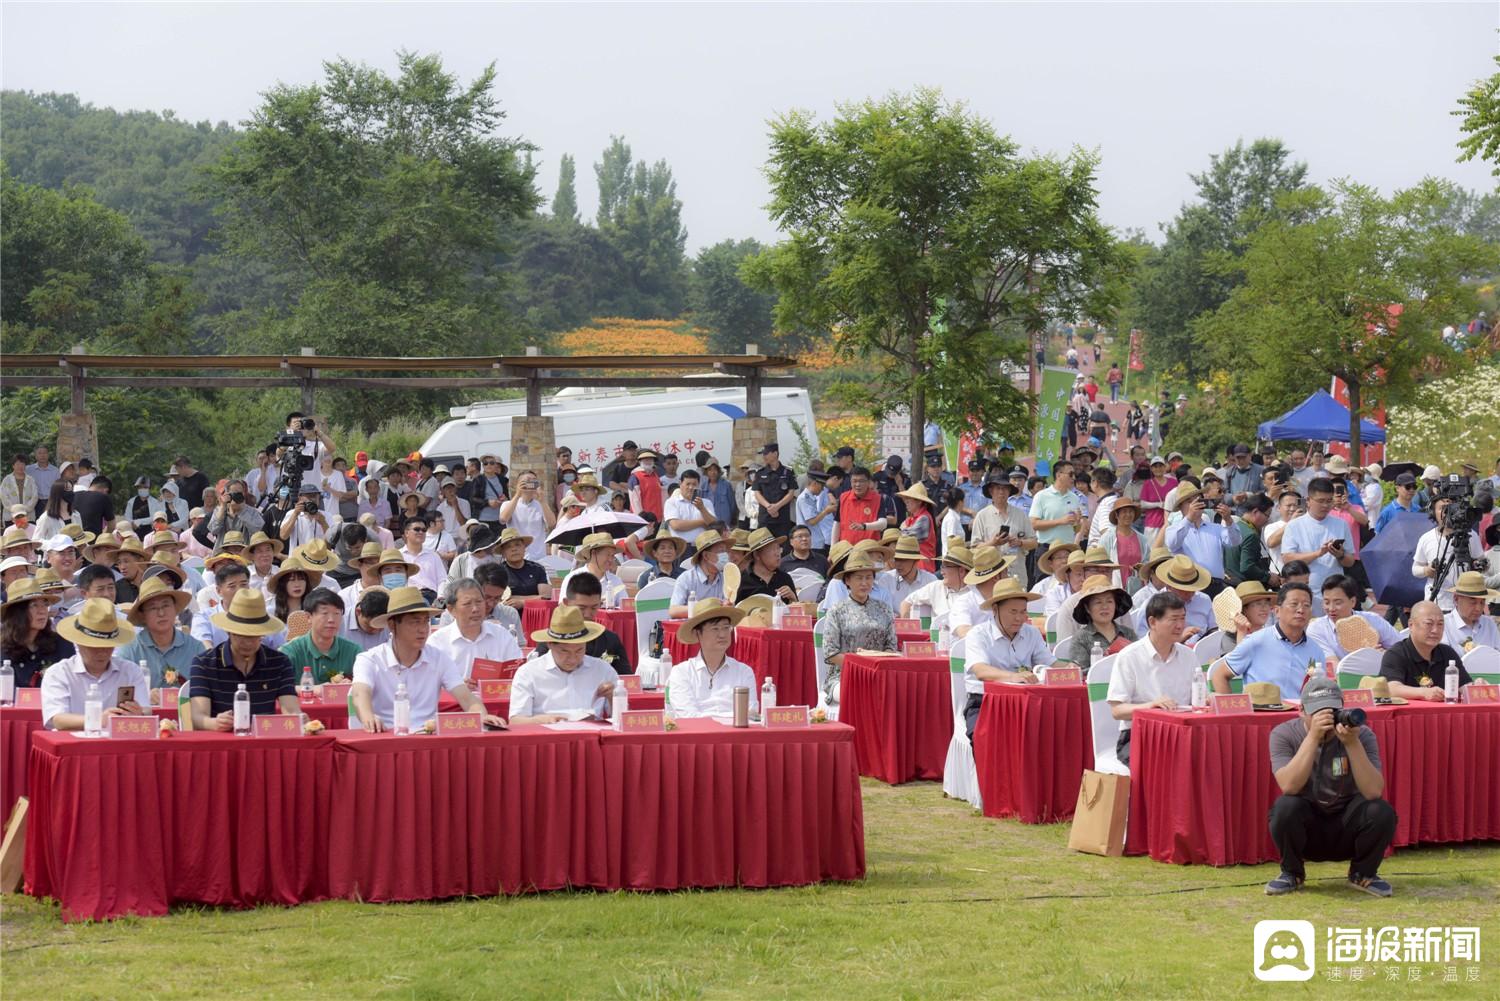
(236, 514)
(142, 508)
(704, 578)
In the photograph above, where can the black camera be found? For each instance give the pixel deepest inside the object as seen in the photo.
(311, 507)
(1349, 717)
(1468, 502)
(237, 497)
(307, 424)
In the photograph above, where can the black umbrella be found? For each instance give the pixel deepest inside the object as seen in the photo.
(1395, 469)
(1387, 560)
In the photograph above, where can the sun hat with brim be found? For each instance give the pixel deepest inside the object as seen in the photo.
(316, 555)
(294, 565)
(393, 557)
(131, 546)
(1047, 562)
(708, 610)
(569, 626)
(17, 537)
(261, 539)
(163, 540)
(1266, 695)
(1008, 589)
(247, 615)
(47, 579)
(998, 481)
(706, 540)
(959, 556)
(1470, 584)
(368, 554)
(96, 625)
(231, 540)
(758, 539)
(1381, 689)
(1337, 465)
(1094, 587)
(78, 535)
(1123, 504)
(104, 542)
(1182, 573)
(213, 560)
(598, 540)
(889, 538)
(853, 564)
(1180, 495)
(1158, 556)
(916, 492)
(14, 562)
(988, 564)
(511, 535)
(585, 480)
(758, 609)
(907, 548)
(679, 545)
(155, 587)
(1094, 559)
(405, 600)
(27, 589)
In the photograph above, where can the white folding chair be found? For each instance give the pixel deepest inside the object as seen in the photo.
(556, 564)
(1359, 664)
(1210, 648)
(960, 776)
(1050, 627)
(652, 604)
(820, 666)
(629, 574)
(801, 577)
(1037, 607)
(1106, 727)
(1063, 623)
(1483, 662)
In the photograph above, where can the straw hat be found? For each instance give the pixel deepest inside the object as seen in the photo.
(511, 535)
(212, 560)
(959, 556)
(294, 565)
(1094, 587)
(598, 540)
(988, 564)
(1007, 590)
(758, 539)
(131, 546)
(17, 537)
(679, 545)
(155, 587)
(316, 555)
(567, 626)
(1337, 465)
(570, 500)
(706, 611)
(47, 579)
(889, 538)
(916, 492)
(28, 589)
(757, 609)
(837, 554)
(261, 539)
(230, 541)
(247, 615)
(1158, 556)
(1470, 584)
(392, 557)
(405, 600)
(1182, 573)
(96, 625)
(1094, 559)
(907, 548)
(706, 540)
(1180, 495)
(741, 537)
(586, 480)
(1381, 689)
(1264, 695)
(368, 553)
(854, 563)
(158, 540)
(1047, 562)
(1232, 601)
(103, 542)
(1122, 504)
(78, 535)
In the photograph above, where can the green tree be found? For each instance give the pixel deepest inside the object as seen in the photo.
(562, 274)
(735, 313)
(614, 174)
(930, 248)
(641, 216)
(1346, 283)
(565, 202)
(1480, 111)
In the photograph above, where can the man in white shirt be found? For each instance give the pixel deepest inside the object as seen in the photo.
(1179, 575)
(600, 557)
(309, 522)
(704, 684)
(1468, 625)
(408, 660)
(938, 597)
(687, 512)
(1341, 596)
(907, 575)
(967, 611)
(564, 679)
(97, 632)
(1154, 672)
(1318, 539)
(471, 634)
(1005, 647)
(430, 570)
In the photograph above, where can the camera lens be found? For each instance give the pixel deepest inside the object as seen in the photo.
(237, 497)
(1350, 717)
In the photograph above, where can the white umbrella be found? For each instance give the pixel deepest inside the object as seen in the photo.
(617, 523)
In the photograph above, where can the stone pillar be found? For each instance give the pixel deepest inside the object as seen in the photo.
(750, 434)
(77, 437)
(533, 446)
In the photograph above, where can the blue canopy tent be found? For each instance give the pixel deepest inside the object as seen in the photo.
(1318, 418)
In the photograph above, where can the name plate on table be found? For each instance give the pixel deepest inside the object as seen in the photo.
(926, 648)
(1480, 694)
(451, 724)
(28, 698)
(1231, 705)
(908, 625)
(1362, 697)
(1062, 676)
(133, 727)
(336, 694)
(785, 717)
(643, 721)
(627, 604)
(276, 725)
(632, 683)
(796, 622)
(493, 689)
(494, 668)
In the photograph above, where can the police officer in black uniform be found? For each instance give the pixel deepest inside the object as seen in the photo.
(776, 488)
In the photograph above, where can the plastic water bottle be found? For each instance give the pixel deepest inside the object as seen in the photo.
(1450, 682)
(1200, 690)
(7, 684)
(307, 685)
(145, 673)
(401, 712)
(1096, 654)
(620, 706)
(767, 695)
(241, 712)
(944, 638)
(93, 711)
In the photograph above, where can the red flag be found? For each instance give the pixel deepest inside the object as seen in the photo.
(1137, 362)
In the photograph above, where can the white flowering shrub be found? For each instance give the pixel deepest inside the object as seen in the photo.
(1451, 420)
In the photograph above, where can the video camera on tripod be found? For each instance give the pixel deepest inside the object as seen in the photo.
(291, 448)
(1467, 504)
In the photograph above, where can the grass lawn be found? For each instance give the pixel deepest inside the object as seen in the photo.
(955, 905)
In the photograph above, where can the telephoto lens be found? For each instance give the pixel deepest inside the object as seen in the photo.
(1350, 717)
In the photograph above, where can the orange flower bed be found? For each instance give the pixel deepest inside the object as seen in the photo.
(621, 336)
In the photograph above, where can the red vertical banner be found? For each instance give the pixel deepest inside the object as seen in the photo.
(1137, 346)
(1369, 453)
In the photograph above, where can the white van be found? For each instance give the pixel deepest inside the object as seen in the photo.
(594, 422)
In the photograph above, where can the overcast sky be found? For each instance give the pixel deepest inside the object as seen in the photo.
(1358, 90)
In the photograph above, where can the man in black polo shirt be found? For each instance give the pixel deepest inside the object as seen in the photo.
(94, 506)
(242, 659)
(776, 489)
(525, 578)
(803, 556)
(585, 594)
(1416, 667)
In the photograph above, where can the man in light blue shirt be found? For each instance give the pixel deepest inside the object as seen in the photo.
(1201, 540)
(973, 488)
(818, 510)
(1318, 539)
(1002, 647)
(704, 578)
(1341, 598)
(1020, 497)
(1280, 654)
(1405, 502)
(1057, 511)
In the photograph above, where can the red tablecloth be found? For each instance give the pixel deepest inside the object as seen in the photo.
(1201, 785)
(711, 805)
(16, 728)
(422, 818)
(1031, 746)
(133, 826)
(1446, 762)
(902, 713)
(537, 614)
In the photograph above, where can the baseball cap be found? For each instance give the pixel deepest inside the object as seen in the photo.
(1406, 480)
(628, 444)
(58, 543)
(844, 453)
(1321, 692)
(1240, 449)
(1158, 460)
(975, 465)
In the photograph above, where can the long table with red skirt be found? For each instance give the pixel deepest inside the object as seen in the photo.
(785, 654)
(901, 709)
(536, 615)
(1201, 785)
(1032, 744)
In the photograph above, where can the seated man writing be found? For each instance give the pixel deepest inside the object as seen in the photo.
(1154, 672)
(1331, 805)
(1005, 647)
(565, 678)
(704, 684)
(96, 631)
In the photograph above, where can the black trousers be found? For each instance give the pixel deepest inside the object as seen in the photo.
(1122, 747)
(1215, 585)
(1360, 833)
(971, 712)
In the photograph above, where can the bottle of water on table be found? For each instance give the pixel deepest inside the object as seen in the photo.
(767, 695)
(93, 711)
(241, 712)
(1450, 682)
(401, 711)
(7, 684)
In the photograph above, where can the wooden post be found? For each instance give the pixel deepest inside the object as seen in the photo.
(309, 404)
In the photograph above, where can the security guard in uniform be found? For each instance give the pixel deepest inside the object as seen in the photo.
(776, 490)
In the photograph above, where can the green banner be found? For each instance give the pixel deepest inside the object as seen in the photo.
(1056, 384)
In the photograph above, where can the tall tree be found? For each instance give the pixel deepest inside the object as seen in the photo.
(734, 313)
(565, 202)
(641, 216)
(614, 173)
(1480, 111)
(1346, 283)
(930, 248)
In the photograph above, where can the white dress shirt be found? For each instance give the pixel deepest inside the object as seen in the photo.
(1324, 632)
(899, 589)
(1142, 675)
(696, 691)
(306, 528)
(1432, 546)
(540, 686)
(988, 644)
(937, 599)
(676, 508)
(1100, 521)
(611, 585)
(430, 570)
(493, 643)
(426, 680)
(965, 610)
(1484, 632)
(65, 686)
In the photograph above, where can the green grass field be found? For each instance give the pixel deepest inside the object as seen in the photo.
(955, 905)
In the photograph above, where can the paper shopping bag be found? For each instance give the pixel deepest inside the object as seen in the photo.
(1099, 820)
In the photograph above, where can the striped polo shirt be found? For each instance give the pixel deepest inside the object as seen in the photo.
(216, 677)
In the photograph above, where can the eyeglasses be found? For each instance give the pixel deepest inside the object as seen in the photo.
(418, 530)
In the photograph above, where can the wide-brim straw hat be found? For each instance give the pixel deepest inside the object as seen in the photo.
(18, 537)
(855, 563)
(47, 579)
(511, 535)
(405, 600)
(155, 587)
(1180, 495)
(1094, 587)
(247, 615)
(316, 555)
(598, 540)
(758, 539)
(1381, 688)
(1157, 557)
(1182, 573)
(78, 535)
(291, 566)
(1470, 584)
(1008, 590)
(586, 480)
(1047, 562)
(679, 544)
(569, 626)
(708, 610)
(907, 548)
(988, 564)
(390, 557)
(837, 554)
(27, 589)
(1091, 559)
(368, 554)
(1265, 695)
(96, 625)
(959, 556)
(916, 492)
(163, 540)
(706, 540)
(231, 540)
(261, 539)
(131, 546)
(212, 560)
(1124, 503)
(103, 542)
